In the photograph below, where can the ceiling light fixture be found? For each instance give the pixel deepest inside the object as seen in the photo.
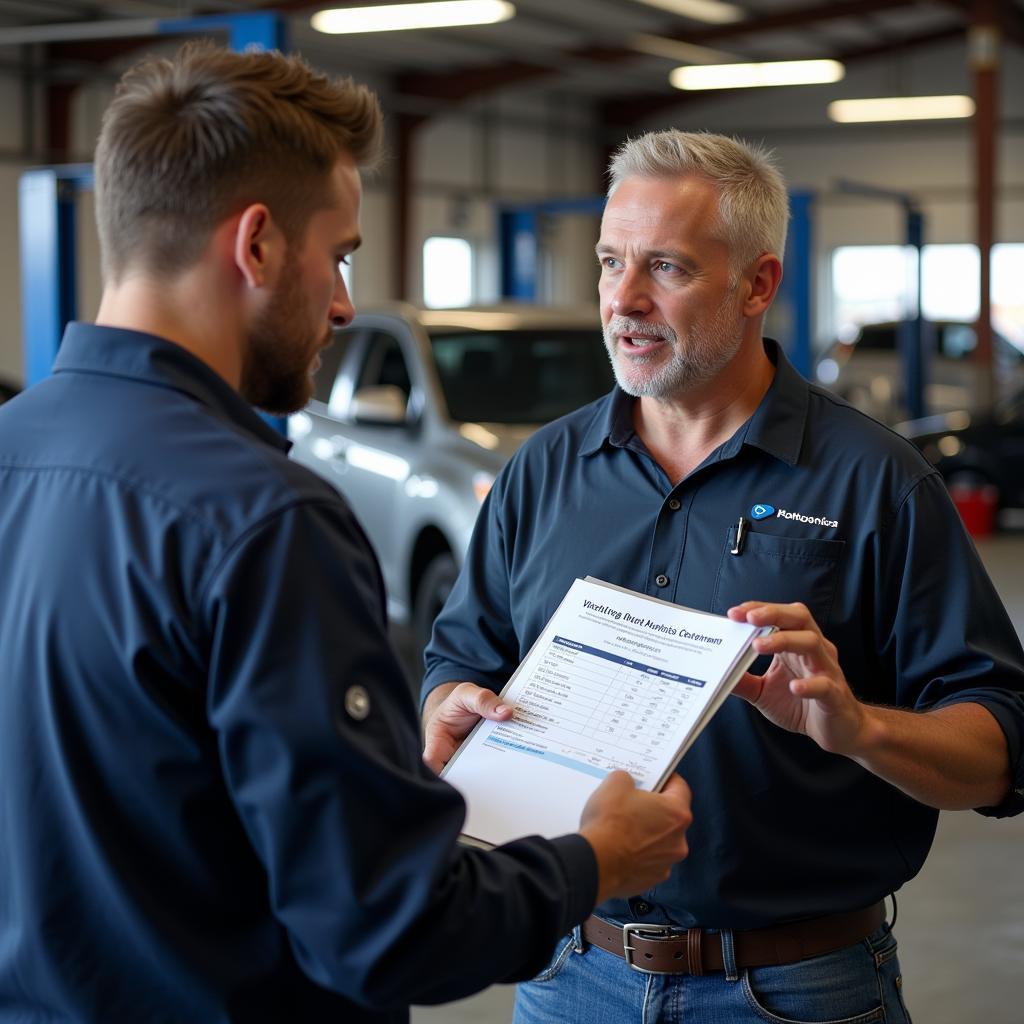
(677, 50)
(752, 76)
(901, 108)
(396, 17)
(700, 10)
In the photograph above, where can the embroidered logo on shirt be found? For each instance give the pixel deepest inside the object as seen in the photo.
(813, 520)
(762, 510)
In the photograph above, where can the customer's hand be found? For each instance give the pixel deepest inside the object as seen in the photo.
(449, 715)
(637, 836)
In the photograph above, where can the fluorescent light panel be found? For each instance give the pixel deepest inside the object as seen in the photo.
(700, 10)
(396, 17)
(751, 76)
(677, 50)
(901, 108)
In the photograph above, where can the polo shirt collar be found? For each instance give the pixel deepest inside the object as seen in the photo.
(136, 355)
(779, 422)
(776, 427)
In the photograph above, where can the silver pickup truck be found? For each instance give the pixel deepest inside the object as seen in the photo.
(415, 411)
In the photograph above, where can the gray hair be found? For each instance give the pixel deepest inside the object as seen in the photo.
(753, 206)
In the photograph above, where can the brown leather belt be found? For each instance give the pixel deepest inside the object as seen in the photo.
(664, 949)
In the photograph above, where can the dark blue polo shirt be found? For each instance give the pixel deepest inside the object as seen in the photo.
(861, 529)
(212, 802)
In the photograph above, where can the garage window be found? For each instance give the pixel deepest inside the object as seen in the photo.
(878, 283)
(447, 272)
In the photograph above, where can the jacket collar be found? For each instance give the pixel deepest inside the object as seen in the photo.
(136, 355)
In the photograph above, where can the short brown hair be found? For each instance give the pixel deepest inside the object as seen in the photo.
(188, 141)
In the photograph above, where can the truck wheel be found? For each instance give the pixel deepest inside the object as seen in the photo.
(435, 586)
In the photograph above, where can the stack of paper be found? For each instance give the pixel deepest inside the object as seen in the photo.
(616, 679)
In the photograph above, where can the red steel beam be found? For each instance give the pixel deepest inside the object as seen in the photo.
(984, 58)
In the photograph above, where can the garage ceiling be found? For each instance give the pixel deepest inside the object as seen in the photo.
(613, 56)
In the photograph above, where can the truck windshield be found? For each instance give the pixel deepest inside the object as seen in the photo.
(521, 376)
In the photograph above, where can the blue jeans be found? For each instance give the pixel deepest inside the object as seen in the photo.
(860, 984)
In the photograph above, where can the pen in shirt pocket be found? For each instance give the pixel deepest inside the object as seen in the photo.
(741, 536)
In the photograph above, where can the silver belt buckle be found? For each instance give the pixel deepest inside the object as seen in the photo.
(644, 931)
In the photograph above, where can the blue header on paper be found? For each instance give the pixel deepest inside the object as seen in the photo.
(629, 662)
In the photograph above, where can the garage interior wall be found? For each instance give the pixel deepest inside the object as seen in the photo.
(528, 144)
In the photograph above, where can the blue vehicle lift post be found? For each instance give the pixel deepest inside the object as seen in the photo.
(518, 229)
(794, 297)
(913, 353)
(46, 205)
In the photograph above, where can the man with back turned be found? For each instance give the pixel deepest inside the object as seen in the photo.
(213, 805)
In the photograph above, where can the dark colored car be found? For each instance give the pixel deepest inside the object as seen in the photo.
(977, 448)
(868, 370)
(7, 390)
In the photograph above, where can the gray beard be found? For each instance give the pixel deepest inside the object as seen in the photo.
(707, 350)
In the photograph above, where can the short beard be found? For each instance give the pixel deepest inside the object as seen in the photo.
(276, 366)
(708, 349)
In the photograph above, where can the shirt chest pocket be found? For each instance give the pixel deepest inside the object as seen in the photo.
(779, 569)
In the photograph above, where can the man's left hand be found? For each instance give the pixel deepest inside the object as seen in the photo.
(804, 689)
(447, 725)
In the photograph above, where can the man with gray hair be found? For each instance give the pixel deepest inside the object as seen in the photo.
(715, 476)
(213, 802)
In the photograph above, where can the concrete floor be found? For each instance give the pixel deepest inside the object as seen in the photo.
(961, 921)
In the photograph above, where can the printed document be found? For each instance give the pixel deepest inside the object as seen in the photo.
(616, 679)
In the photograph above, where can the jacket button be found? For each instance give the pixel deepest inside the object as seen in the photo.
(357, 703)
(674, 504)
(661, 580)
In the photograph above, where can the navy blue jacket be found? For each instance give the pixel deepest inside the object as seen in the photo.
(845, 516)
(212, 802)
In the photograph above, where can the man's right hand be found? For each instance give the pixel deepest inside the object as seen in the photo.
(637, 836)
